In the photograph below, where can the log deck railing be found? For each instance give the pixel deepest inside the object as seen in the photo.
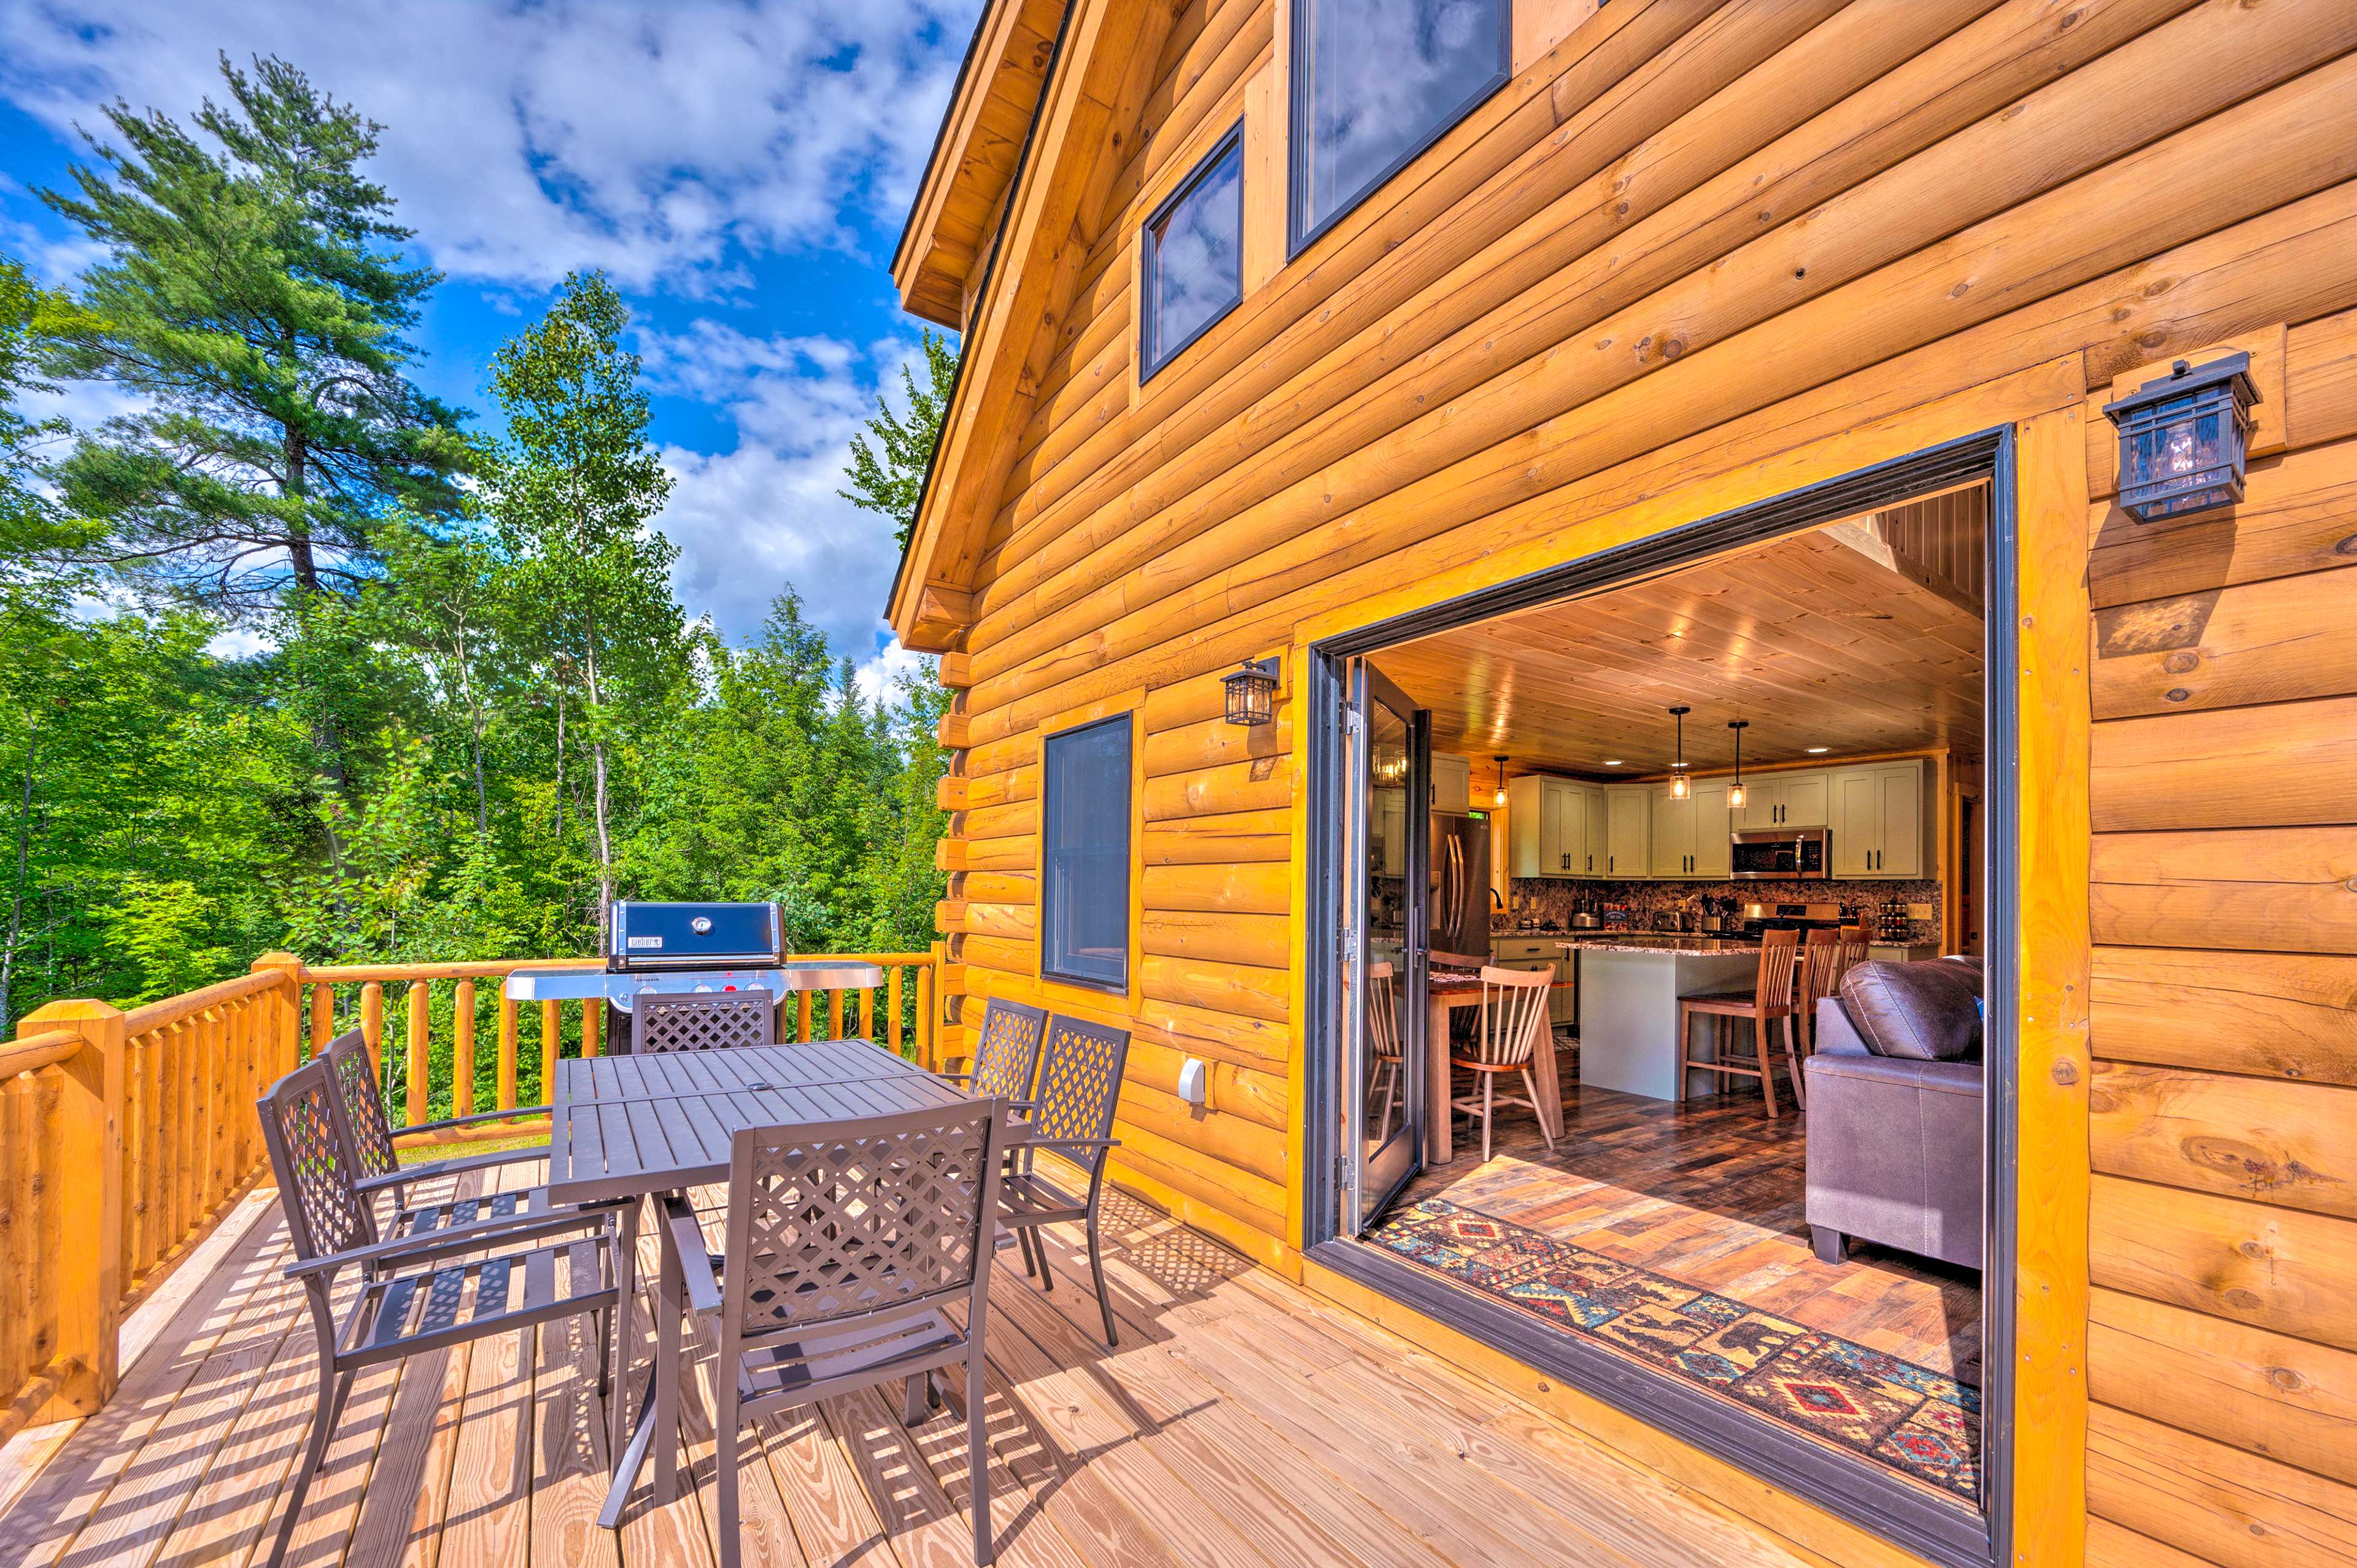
(126, 1135)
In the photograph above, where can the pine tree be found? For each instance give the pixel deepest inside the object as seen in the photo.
(254, 301)
(892, 481)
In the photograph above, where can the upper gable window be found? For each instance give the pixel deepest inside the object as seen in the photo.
(1377, 81)
(1194, 268)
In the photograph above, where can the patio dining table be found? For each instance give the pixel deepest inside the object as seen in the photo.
(638, 1126)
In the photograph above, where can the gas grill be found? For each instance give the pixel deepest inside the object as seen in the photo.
(672, 950)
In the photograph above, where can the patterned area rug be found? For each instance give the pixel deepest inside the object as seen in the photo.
(1922, 1423)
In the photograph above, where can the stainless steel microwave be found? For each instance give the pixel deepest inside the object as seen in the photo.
(1771, 854)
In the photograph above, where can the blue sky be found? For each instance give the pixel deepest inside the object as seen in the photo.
(741, 167)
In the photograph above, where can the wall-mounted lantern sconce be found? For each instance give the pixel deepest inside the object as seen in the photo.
(1252, 692)
(2183, 439)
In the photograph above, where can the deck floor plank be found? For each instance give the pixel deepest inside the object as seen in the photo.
(1240, 1421)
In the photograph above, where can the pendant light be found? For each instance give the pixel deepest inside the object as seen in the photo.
(1735, 794)
(1501, 798)
(1680, 787)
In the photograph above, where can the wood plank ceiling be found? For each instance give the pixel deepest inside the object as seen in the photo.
(1862, 637)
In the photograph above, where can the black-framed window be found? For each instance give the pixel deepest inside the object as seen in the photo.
(1377, 81)
(1084, 855)
(1193, 256)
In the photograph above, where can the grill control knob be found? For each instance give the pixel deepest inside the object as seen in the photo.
(701, 925)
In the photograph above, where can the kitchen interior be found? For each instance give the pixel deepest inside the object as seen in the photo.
(1657, 780)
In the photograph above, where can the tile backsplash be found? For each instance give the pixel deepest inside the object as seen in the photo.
(1552, 902)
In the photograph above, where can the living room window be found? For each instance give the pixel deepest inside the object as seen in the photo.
(1193, 256)
(1084, 855)
(1377, 81)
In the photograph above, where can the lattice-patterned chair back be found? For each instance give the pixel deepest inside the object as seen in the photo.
(1007, 1058)
(1080, 1079)
(703, 1022)
(1514, 1016)
(311, 1154)
(871, 1220)
(362, 1098)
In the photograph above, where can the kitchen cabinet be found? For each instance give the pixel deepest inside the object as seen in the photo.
(1690, 836)
(1452, 784)
(1558, 827)
(1785, 801)
(1880, 818)
(1629, 831)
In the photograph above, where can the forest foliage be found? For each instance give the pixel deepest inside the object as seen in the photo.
(475, 712)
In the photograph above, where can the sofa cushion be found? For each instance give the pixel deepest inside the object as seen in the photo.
(1916, 1012)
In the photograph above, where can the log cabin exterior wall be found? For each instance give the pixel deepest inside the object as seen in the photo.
(1691, 256)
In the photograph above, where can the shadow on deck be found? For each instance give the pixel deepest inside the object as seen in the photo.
(1241, 1421)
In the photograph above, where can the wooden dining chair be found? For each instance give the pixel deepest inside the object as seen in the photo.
(1769, 1000)
(1080, 1087)
(1383, 1036)
(847, 1242)
(1825, 957)
(466, 1282)
(1512, 1020)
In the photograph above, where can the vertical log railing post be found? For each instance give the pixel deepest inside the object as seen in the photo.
(421, 1059)
(285, 1045)
(551, 1045)
(462, 1049)
(373, 1026)
(929, 1008)
(507, 1051)
(89, 1177)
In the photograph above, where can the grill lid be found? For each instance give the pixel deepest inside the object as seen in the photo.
(695, 936)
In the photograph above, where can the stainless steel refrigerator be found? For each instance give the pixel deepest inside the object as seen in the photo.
(1459, 897)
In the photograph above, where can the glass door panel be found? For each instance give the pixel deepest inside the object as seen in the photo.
(1385, 923)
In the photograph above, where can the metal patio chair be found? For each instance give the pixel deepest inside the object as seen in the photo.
(1080, 1082)
(361, 1098)
(412, 1298)
(1007, 1057)
(845, 1243)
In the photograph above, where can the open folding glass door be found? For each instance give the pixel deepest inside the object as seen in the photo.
(1386, 825)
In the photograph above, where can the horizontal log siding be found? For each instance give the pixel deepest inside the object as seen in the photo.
(1692, 247)
(2222, 1116)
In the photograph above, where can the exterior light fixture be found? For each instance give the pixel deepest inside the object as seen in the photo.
(1735, 794)
(1680, 785)
(1252, 692)
(1501, 798)
(2184, 438)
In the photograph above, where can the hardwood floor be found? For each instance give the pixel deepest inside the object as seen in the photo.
(1710, 1194)
(1241, 1421)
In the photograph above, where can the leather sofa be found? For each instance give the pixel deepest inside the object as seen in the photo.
(1895, 1113)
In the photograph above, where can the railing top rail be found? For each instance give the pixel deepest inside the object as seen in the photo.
(177, 1009)
(33, 1052)
(878, 958)
(346, 972)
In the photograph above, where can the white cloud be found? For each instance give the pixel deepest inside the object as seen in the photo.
(879, 679)
(752, 520)
(523, 139)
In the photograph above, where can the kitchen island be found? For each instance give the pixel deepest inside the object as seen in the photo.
(1629, 990)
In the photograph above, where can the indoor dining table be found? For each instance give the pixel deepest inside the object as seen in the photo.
(641, 1126)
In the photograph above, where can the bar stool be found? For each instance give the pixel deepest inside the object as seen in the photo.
(1770, 999)
(1514, 1016)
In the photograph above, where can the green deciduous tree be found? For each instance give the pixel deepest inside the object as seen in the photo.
(572, 491)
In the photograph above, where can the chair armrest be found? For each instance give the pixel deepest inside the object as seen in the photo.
(1063, 1143)
(461, 1239)
(469, 1120)
(683, 1231)
(426, 1170)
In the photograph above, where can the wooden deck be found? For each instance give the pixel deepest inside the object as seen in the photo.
(1242, 1421)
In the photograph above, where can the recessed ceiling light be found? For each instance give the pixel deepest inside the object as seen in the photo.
(1819, 750)
(1611, 762)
